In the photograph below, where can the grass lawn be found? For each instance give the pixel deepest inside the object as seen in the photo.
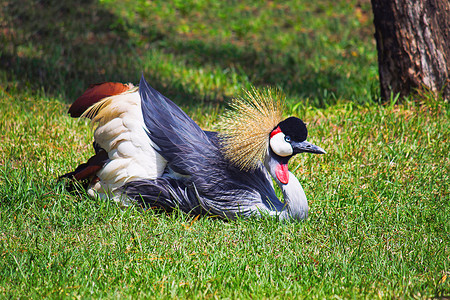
(379, 223)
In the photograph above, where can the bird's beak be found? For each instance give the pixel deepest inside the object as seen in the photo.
(306, 146)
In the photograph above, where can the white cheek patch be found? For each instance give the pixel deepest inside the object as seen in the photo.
(280, 146)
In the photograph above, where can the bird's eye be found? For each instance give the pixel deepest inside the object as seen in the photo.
(287, 139)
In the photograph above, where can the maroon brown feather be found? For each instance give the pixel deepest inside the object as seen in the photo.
(95, 93)
(89, 168)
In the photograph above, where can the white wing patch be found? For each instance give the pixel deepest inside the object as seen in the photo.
(122, 133)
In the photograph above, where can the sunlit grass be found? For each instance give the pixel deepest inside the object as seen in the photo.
(378, 224)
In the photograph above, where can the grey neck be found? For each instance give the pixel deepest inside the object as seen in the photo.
(294, 197)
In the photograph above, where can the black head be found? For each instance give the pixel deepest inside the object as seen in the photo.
(294, 128)
(289, 138)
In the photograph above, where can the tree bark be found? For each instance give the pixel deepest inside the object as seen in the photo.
(413, 44)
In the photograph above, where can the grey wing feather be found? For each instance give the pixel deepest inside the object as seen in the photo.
(166, 193)
(180, 140)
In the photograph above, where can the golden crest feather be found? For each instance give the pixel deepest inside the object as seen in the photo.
(245, 129)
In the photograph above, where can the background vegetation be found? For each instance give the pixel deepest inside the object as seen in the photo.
(379, 223)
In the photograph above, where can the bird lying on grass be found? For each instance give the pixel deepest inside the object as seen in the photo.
(149, 152)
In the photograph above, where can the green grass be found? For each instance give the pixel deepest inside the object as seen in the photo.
(379, 222)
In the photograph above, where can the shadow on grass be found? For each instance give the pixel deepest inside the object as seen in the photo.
(63, 46)
(264, 67)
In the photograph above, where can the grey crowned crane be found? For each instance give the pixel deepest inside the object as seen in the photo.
(148, 151)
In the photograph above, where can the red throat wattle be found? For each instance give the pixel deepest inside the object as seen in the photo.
(282, 173)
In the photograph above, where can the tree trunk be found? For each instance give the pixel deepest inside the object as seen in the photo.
(413, 43)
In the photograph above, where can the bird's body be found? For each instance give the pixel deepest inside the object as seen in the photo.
(159, 157)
